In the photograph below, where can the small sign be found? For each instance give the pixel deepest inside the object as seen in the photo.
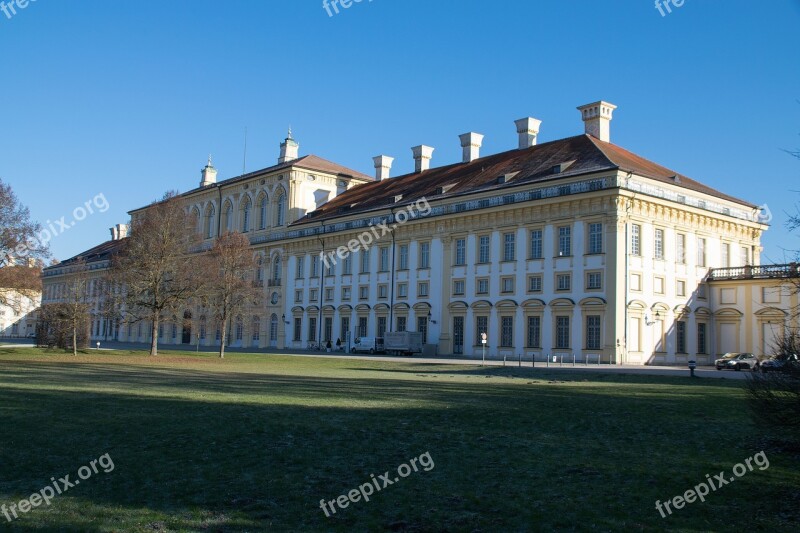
(483, 337)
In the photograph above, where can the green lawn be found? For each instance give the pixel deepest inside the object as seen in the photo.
(252, 443)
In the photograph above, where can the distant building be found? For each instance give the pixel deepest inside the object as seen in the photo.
(574, 247)
(18, 318)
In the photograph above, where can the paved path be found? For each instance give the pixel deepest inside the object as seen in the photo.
(703, 372)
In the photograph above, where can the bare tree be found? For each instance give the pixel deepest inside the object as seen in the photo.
(230, 288)
(76, 301)
(20, 248)
(155, 265)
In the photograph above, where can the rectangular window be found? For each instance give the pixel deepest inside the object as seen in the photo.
(481, 326)
(744, 256)
(658, 248)
(681, 332)
(458, 287)
(347, 265)
(563, 282)
(364, 254)
(701, 252)
(312, 329)
(329, 294)
(298, 329)
(507, 331)
(593, 332)
(362, 326)
(401, 323)
(383, 291)
(330, 268)
(537, 248)
(595, 238)
(300, 274)
(702, 342)
(680, 289)
(313, 294)
(346, 294)
(363, 292)
(298, 296)
(384, 259)
(564, 241)
(422, 289)
(594, 281)
(461, 252)
(482, 286)
(726, 255)
(483, 249)
(636, 282)
(315, 267)
(562, 333)
(507, 285)
(402, 259)
(534, 332)
(424, 255)
(328, 329)
(345, 327)
(636, 231)
(509, 247)
(680, 249)
(658, 285)
(402, 290)
(381, 326)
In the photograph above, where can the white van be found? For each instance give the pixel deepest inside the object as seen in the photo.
(367, 345)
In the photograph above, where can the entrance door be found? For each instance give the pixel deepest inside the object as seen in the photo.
(458, 335)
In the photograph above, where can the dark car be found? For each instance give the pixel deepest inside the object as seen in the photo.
(737, 361)
(778, 364)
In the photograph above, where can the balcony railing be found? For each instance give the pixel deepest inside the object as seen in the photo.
(792, 270)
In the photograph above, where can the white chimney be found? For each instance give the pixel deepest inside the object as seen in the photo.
(289, 149)
(383, 166)
(208, 176)
(119, 232)
(471, 145)
(528, 130)
(422, 157)
(597, 118)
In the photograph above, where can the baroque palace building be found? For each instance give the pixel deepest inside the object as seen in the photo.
(573, 248)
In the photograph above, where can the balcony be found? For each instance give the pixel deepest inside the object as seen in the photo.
(792, 270)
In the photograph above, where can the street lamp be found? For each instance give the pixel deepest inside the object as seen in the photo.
(430, 318)
(283, 317)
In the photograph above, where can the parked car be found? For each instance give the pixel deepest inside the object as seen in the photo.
(368, 345)
(723, 361)
(742, 361)
(777, 364)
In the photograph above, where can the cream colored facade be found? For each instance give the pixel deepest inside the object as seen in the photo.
(602, 266)
(18, 318)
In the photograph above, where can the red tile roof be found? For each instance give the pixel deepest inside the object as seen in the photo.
(578, 155)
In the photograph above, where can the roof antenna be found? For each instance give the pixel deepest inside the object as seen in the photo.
(244, 160)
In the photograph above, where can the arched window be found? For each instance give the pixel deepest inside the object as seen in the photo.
(210, 222)
(273, 328)
(227, 217)
(262, 212)
(246, 215)
(198, 221)
(260, 270)
(256, 328)
(280, 210)
(202, 328)
(276, 269)
(239, 328)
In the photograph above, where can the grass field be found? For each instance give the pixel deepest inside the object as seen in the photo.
(254, 442)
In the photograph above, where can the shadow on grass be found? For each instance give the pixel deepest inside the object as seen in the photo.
(231, 451)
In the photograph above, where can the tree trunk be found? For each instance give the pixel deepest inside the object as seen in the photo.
(74, 341)
(222, 337)
(154, 338)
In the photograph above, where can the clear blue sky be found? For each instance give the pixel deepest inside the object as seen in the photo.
(127, 99)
